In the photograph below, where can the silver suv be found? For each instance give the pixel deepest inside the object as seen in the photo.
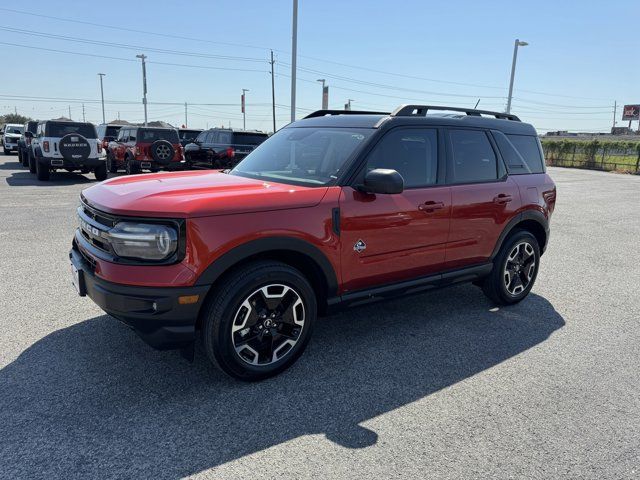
(66, 145)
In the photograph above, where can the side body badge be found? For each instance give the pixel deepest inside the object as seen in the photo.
(360, 246)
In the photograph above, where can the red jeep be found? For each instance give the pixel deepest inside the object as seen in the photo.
(338, 209)
(145, 148)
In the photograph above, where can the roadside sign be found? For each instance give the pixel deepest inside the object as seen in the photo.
(631, 112)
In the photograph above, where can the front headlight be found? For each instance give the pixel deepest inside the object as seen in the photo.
(147, 241)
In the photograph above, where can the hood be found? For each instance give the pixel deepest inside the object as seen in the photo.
(13, 135)
(196, 194)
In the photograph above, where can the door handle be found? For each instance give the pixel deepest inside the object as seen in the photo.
(502, 199)
(431, 206)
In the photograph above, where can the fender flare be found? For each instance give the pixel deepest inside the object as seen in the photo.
(534, 215)
(263, 245)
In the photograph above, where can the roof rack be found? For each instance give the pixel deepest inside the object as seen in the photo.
(322, 113)
(421, 110)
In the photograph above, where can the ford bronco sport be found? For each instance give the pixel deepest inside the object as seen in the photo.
(66, 145)
(145, 148)
(28, 131)
(334, 210)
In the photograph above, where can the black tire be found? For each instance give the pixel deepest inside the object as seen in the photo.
(224, 308)
(42, 171)
(31, 161)
(20, 156)
(131, 167)
(101, 172)
(511, 281)
(112, 166)
(6, 152)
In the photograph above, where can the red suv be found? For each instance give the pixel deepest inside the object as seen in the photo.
(145, 148)
(338, 209)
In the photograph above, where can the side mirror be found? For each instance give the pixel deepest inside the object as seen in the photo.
(384, 181)
(28, 134)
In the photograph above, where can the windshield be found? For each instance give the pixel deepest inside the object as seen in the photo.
(302, 156)
(153, 135)
(112, 131)
(14, 129)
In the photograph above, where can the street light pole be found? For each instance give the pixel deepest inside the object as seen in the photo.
(144, 85)
(244, 108)
(294, 56)
(517, 44)
(102, 96)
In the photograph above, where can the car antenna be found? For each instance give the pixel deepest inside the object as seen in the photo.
(476, 104)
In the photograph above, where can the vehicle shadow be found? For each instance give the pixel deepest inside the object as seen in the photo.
(92, 400)
(10, 164)
(27, 179)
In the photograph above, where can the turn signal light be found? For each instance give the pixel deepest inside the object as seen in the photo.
(188, 299)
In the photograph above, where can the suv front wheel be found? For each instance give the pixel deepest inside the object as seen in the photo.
(515, 269)
(131, 167)
(259, 321)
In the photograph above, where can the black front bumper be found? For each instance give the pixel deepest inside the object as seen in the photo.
(154, 313)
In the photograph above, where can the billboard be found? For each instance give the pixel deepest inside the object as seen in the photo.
(631, 112)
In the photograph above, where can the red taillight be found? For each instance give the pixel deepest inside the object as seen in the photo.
(230, 152)
(45, 145)
(99, 147)
(27, 140)
(138, 151)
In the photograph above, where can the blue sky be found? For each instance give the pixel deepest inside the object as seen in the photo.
(582, 57)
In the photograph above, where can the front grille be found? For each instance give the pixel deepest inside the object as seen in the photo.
(94, 225)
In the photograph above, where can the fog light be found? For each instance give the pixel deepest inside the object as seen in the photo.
(188, 299)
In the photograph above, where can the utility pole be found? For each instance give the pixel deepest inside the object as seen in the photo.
(347, 106)
(144, 85)
(273, 92)
(294, 56)
(69, 112)
(102, 96)
(615, 108)
(243, 99)
(185, 114)
(15, 109)
(84, 119)
(517, 44)
(325, 94)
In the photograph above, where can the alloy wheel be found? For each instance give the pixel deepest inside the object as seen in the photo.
(268, 324)
(519, 268)
(163, 152)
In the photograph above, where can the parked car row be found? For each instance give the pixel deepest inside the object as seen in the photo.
(48, 146)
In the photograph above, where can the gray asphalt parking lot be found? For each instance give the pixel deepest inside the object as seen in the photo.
(440, 385)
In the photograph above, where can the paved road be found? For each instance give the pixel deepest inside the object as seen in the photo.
(434, 386)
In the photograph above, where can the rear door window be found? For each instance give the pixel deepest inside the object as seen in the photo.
(224, 138)
(472, 157)
(152, 135)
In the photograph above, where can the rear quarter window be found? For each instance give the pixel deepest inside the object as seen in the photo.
(529, 159)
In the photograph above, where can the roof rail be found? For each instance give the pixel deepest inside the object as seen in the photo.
(421, 110)
(322, 113)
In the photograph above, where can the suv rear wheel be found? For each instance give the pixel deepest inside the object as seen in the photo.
(112, 166)
(259, 321)
(131, 167)
(101, 172)
(42, 170)
(515, 269)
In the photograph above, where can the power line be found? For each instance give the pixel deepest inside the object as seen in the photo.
(130, 46)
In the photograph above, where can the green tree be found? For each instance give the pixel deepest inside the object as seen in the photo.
(14, 118)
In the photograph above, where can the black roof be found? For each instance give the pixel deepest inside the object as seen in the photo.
(402, 116)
